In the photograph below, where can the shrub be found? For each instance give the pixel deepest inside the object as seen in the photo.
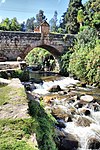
(85, 60)
(21, 74)
(4, 74)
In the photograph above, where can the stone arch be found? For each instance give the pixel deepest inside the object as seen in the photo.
(56, 54)
(49, 48)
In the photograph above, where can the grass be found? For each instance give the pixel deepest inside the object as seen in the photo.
(4, 92)
(12, 95)
(16, 134)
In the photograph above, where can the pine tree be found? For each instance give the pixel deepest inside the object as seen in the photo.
(53, 22)
(72, 26)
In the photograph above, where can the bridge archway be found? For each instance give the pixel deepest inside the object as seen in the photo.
(49, 48)
(53, 52)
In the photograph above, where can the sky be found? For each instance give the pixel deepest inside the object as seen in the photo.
(24, 9)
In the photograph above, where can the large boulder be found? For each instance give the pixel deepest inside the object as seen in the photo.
(86, 98)
(83, 120)
(66, 141)
(55, 88)
(94, 144)
(60, 111)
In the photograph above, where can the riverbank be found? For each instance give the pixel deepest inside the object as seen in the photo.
(76, 107)
(22, 127)
(58, 109)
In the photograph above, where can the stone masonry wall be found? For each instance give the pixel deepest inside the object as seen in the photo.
(14, 44)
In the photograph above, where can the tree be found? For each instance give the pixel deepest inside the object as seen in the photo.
(5, 24)
(62, 21)
(80, 17)
(30, 24)
(23, 26)
(92, 14)
(72, 26)
(40, 17)
(15, 26)
(53, 22)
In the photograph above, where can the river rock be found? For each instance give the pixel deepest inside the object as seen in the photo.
(84, 110)
(94, 144)
(54, 88)
(83, 120)
(60, 123)
(86, 98)
(67, 141)
(60, 111)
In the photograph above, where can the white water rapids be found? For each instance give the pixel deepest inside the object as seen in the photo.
(84, 134)
(62, 82)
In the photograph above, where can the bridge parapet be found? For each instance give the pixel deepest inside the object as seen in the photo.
(16, 43)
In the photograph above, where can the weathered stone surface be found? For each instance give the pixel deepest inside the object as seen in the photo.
(4, 81)
(60, 111)
(94, 144)
(17, 106)
(83, 121)
(18, 44)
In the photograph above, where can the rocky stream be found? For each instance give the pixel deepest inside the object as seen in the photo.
(75, 106)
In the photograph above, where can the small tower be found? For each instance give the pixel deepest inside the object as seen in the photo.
(44, 28)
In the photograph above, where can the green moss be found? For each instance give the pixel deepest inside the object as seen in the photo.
(15, 134)
(45, 129)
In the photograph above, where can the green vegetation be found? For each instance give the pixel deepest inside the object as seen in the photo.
(65, 58)
(80, 17)
(41, 58)
(70, 17)
(21, 74)
(84, 62)
(35, 132)
(36, 56)
(10, 25)
(45, 129)
(15, 134)
(8, 94)
(4, 91)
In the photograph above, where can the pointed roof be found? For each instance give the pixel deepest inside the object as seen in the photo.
(44, 23)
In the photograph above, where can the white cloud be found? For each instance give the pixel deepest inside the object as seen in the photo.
(3, 1)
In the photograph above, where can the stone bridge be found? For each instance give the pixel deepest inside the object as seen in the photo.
(14, 44)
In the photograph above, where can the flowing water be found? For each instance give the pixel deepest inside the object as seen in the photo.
(85, 127)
